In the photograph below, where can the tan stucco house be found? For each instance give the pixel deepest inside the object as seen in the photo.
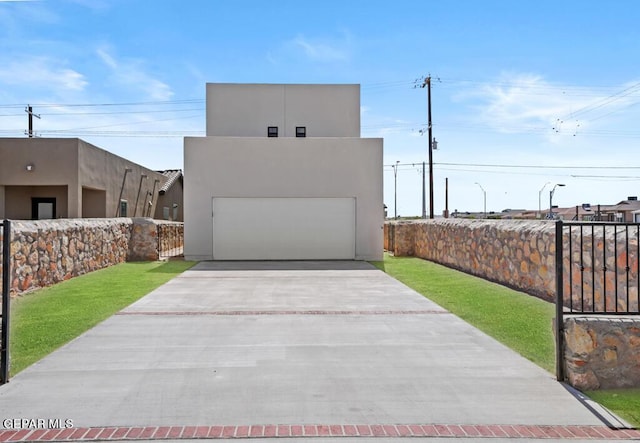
(170, 197)
(283, 174)
(70, 178)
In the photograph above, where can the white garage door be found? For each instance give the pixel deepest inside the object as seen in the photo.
(284, 228)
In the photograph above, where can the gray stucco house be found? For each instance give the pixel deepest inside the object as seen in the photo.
(283, 174)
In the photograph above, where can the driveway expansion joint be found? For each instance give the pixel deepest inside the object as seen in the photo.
(288, 312)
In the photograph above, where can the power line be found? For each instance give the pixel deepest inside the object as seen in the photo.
(405, 83)
(605, 101)
(517, 169)
(160, 106)
(92, 105)
(63, 114)
(608, 176)
(537, 166)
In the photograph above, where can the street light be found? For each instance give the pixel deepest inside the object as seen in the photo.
(540, 199)
(551, 199)
(395, 189)
(485, 199)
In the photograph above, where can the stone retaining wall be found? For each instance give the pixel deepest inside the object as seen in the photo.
(516, 253)
(45, 252)
(602, 353)
(599, 263)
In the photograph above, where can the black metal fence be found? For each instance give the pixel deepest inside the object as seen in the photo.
(6, 300)
(597, 272)
(170, 240)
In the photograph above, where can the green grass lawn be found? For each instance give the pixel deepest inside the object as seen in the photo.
(520, 321)
(46, 319)
(625, 402)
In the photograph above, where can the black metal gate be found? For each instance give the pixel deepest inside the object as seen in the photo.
(6, 300)
(597, 273)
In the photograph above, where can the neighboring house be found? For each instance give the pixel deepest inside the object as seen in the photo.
(69, 178)
(283, 174)
(169, 205)
(623, 212)
(576, 213)
(626, 211)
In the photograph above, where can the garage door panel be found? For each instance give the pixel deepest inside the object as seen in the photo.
(284, 228)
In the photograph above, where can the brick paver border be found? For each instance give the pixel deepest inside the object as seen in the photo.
(319, 431)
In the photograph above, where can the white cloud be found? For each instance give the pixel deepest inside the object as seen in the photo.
(131, 73)
(38, 11)
(41, 72)
(318, 50)
(107, 59)
(526, 103)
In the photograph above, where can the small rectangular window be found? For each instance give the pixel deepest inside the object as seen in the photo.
(123, 208)
(301, 131)
(272, 131)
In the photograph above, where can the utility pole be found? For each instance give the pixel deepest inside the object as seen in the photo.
(29, 111)
(446, 197)
(427, 84)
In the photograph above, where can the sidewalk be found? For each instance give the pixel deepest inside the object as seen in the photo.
(250, 346)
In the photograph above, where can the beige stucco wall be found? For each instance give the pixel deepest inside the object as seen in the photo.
(74, 165)
(174, 195)
(246, 110)
(18, 200)
(102, 170)
(94, 203)
(55, 163)
(282, 167)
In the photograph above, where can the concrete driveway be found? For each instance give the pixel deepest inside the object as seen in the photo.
(248, 349)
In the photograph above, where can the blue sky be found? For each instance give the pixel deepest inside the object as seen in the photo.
(525, 93)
